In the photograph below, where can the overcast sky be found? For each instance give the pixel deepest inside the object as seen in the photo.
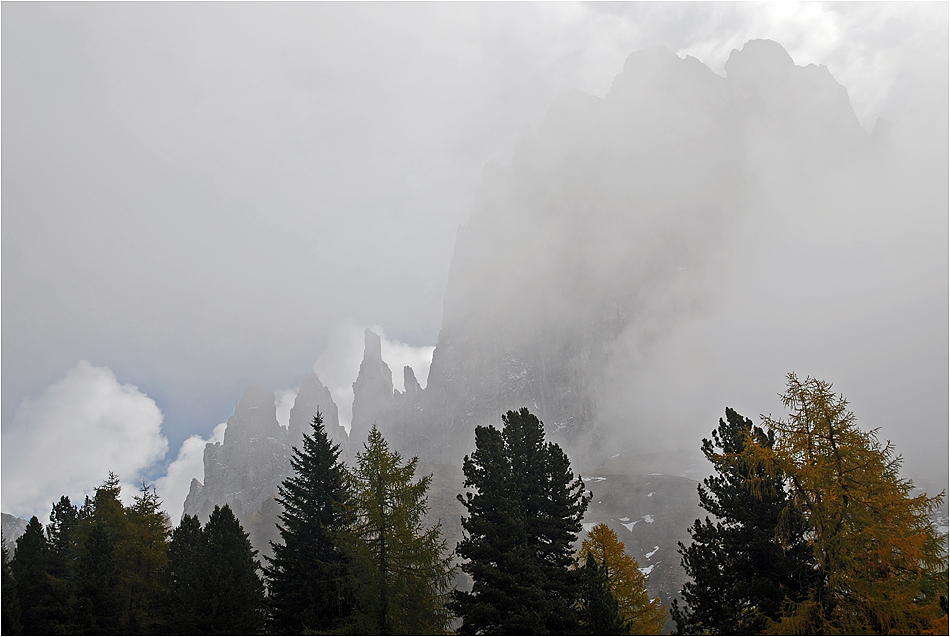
(200, 196)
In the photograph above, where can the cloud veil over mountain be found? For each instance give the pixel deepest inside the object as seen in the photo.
(218, 218)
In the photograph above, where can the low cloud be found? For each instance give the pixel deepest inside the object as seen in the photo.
(66, 441)
(284, 399)
(397, 355)
(173, 487)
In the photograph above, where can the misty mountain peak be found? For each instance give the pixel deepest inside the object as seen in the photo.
(659, 71)
(314, 396)
(243, 470)
(255, 414)
(373, 396)
(805, 99)
(659, 60)
(255, 397)
(372, 345)
(413, 388)
(758, 59)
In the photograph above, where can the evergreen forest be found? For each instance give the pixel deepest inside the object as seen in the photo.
(809, 529)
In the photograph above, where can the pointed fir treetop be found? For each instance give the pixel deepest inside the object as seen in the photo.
(309, 585)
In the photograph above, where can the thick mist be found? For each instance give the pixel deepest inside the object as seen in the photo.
(681, 244)
(201, 197)
(835, 267)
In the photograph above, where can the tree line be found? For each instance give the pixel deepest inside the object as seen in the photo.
(813, 531)
(354, 555)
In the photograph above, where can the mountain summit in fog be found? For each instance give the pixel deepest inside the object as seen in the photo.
(628, 230)
(648, 258)
(613, 224)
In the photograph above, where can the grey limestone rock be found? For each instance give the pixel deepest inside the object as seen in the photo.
(245, 469)
(582, 254)
(373, 398)
(12, 528)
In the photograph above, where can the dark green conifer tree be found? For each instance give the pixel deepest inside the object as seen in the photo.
(233, 600)
(600, 614)
(99, 607)
(119, 562)
(524, 517)
(144, 556)
(30, 570)
(59, 536)
(744, 566)
(185, 576)
(10, 621)
(310, 586)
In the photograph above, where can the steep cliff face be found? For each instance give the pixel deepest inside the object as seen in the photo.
(609, 224)
(244, 470)
(373, 398)
(607, 228)
(12, 528)
(254, 458)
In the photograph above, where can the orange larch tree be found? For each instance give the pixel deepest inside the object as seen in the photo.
(627, 584)
(882, 563)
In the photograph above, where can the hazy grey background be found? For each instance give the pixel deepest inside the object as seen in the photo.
(200, 196)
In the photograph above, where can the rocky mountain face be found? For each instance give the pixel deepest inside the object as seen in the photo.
(245, 470)
(651, 513)
(12, 528)
(607, 227)
(373, 397)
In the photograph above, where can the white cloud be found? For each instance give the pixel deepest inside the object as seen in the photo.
(285, 402)
(397, 355)
(339, 364)
(866, 46)
(67, 440)
(173, 487)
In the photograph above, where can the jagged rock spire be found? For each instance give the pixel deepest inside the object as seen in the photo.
(373, 400)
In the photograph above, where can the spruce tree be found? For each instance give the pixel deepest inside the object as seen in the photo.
(99, 607)
(233, 596)
(118, 564)
(10, 621)
(745, 565)
(63, 520)
(212, 584)
(144, 552)
(598, 607)
(507, 589)
(310, 586)
(402, 565)
(185, 576)
(30, 569)
(524, 517)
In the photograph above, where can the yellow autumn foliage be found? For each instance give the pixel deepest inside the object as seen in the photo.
(626, 582)
(883, 564)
